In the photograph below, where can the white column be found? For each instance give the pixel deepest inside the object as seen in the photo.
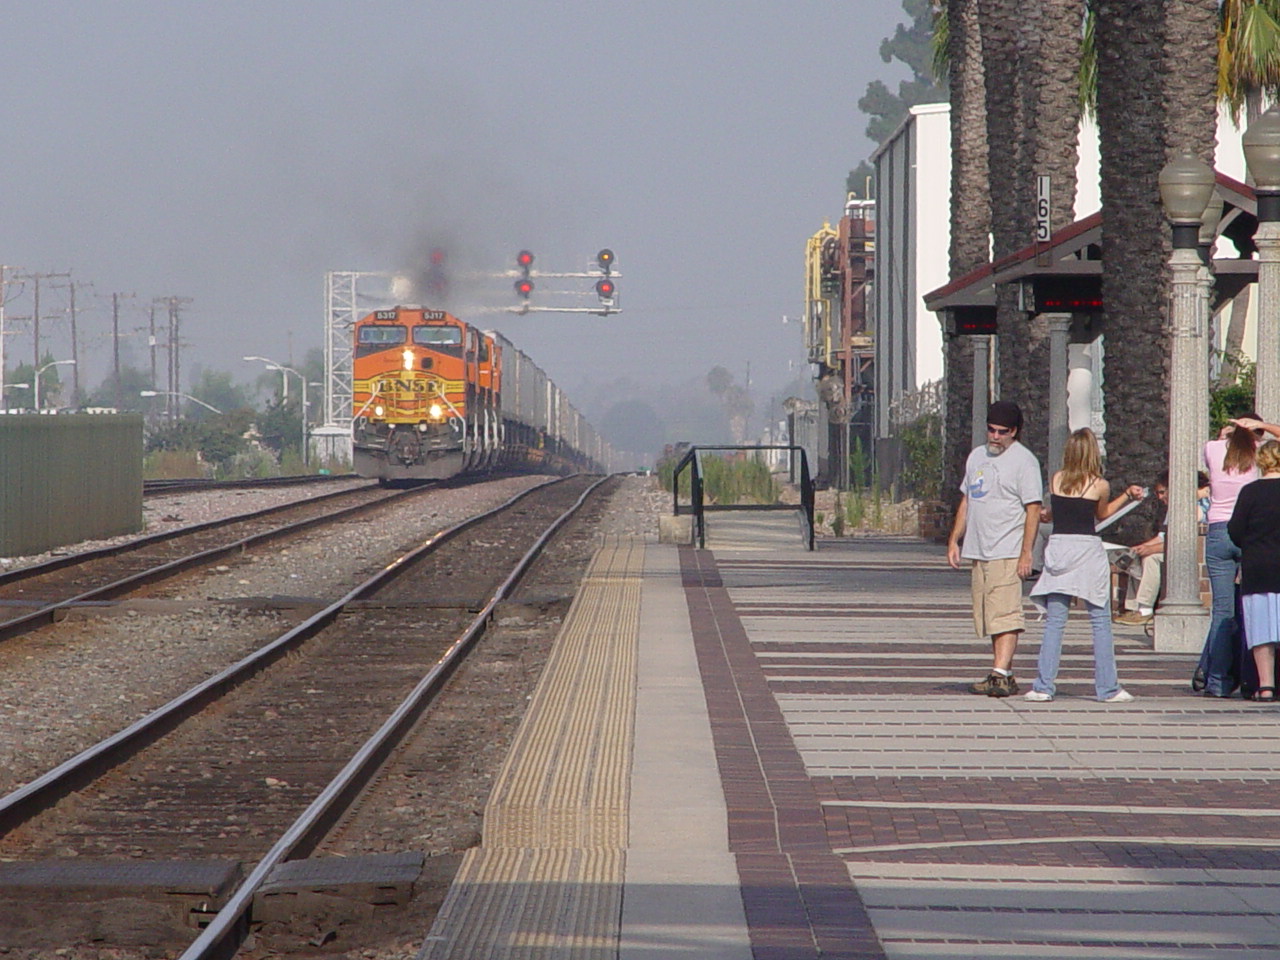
(1203, 340)
(1267, 238)
(1181, 620)
(1059, 340)
(981, 388)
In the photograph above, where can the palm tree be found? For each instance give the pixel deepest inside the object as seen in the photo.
(960, 61)
(1152, 59)
(1031, 54)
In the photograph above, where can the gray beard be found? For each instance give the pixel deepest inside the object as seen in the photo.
(994, 449)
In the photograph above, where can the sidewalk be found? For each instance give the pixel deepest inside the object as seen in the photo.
(809, 778)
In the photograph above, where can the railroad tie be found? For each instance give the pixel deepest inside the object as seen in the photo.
(547, 879)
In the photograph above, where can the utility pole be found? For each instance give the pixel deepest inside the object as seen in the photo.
(151, 341)
(76, 400)
(4, 296)
(75, 348)
(174, 346)
(116, 389)
(35, 310)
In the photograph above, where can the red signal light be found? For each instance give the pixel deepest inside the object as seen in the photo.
(437, 255)
(524, 288)
(605, 289)
(524, 259)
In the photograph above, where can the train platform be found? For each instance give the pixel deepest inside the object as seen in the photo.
(756, 751)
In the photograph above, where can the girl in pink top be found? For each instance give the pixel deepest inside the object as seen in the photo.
(1230, 462)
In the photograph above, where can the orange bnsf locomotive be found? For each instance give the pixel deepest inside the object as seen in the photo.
(434, 396)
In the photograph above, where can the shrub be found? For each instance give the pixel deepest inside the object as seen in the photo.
(922, 451)
(172, 465)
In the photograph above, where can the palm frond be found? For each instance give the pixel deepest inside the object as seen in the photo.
(941, 62)
(1089, 63)
(1248, 51)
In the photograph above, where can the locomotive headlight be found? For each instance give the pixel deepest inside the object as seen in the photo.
(378, 410)
(407, 356)
(422, 428)
(436, 411)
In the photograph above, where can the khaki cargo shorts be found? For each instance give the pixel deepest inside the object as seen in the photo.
(997, 597)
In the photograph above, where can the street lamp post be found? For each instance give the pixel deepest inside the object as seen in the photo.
(40, 373)
(284, 397)
(1261, 144)
(184, 396)
(1186, 185)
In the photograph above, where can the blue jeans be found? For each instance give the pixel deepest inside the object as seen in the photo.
(1105, 681)
(1222, 557)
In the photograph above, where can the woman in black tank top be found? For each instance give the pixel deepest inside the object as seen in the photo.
(1075, 565)
(1074, 515)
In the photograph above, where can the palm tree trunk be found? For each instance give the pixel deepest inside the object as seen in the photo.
(1011, 195)
(1132, 114)
(1031, 52)
(1051, 60)
(970, 222)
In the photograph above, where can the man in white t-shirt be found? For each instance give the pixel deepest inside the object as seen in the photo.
(998, 519)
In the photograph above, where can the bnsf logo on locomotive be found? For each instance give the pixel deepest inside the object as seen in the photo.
(395, 385)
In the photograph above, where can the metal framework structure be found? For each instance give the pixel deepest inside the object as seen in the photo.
(341, 311)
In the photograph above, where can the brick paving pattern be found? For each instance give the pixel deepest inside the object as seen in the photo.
(963, 826)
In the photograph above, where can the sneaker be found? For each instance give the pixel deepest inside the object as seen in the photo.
(993, 683)
(1120, 696)
(983, 687)
(1037, 696)
(1002, 686)
(1134, 618)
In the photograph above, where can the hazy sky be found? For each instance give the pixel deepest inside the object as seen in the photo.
(233, 151)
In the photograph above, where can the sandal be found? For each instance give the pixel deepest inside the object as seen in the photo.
(1198, 680)
(1264, 695)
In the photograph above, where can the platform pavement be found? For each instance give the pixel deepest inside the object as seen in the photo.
(809, 778)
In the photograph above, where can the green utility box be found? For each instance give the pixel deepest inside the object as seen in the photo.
(68, 477)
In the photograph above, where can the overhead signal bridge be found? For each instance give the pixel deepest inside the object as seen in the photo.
(605, 289)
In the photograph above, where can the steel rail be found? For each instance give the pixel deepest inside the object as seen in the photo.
(222, 937)
(155, 488)
(48, 614)
(140, 543)
(32, 798)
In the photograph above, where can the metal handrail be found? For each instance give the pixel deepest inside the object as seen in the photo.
(697, 503)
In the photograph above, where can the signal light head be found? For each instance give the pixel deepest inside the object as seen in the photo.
(605, 259)
(524, 259)
(524, 288)
(605, 289)
(437, 255)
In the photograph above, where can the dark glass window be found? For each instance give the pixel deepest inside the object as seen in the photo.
(382, 335)
(437, 335)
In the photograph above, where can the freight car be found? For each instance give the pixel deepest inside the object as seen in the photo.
(434, 396)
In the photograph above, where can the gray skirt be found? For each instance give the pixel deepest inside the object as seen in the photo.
(1075, 564)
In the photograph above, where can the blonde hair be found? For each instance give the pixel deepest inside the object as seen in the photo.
(1268, 457)
(1081, 462)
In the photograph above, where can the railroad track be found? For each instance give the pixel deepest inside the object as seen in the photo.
(240, 775)
(155, 488)
(34, 596)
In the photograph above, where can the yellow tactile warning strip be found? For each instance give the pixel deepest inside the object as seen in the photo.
(547, 880)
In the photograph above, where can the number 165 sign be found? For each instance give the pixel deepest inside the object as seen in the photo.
(1042, 208)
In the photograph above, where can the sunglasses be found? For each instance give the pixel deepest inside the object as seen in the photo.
(999, 431)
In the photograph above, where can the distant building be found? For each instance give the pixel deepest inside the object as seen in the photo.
(839, 278)
(913, 235)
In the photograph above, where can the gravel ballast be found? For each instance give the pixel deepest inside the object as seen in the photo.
(70, 684)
